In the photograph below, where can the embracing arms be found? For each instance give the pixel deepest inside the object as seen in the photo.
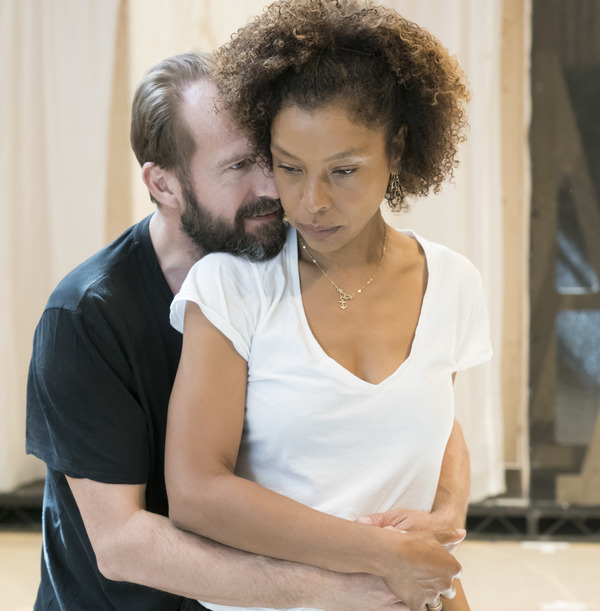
(206, 417)
(130, 542)
(135, 545)
(449, 508)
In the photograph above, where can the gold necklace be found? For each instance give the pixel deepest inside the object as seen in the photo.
(345, 297)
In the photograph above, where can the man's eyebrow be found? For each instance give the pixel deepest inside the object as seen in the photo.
(341, 155)
(227, 161)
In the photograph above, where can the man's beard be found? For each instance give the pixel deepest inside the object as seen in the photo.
(211, 234)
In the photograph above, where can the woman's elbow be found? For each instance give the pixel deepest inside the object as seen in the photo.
(181, 519)
(179, 506)
(197, 506)
(187, 508)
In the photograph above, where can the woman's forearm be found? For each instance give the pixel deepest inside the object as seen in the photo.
(242, 514)
(205, 425)
(415, 566)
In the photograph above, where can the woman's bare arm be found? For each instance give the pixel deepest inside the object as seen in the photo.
(206, 416)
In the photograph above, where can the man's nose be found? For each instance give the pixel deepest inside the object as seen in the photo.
(265, 183)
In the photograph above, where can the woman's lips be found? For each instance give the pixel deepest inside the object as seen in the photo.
(317, 232)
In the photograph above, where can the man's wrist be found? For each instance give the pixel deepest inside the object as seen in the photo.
(309, 586)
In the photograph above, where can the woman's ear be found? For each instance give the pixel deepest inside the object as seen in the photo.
(162, 184)
(398, 144)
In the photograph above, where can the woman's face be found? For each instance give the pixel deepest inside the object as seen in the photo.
(331, 173)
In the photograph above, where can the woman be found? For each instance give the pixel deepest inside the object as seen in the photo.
(328, 390)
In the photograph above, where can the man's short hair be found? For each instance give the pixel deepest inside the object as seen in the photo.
(158, 132)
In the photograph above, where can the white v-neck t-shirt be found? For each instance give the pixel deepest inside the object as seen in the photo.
(315, 432)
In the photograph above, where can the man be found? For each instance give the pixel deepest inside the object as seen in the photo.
(103, 364)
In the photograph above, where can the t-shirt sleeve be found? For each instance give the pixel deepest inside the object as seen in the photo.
(225, 288)
(83, 418)
(473, 345)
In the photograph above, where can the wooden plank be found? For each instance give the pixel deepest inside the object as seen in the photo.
(516, 190)
(583, 489)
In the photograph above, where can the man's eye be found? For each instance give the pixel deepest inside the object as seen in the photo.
(240, 165)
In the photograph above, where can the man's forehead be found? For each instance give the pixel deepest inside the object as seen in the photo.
(198, 108)
(232, 152)
(211, 127)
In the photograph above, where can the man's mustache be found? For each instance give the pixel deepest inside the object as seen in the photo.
(259, 207)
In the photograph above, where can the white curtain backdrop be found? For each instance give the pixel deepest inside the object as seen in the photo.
(58, 61)
(467, 214)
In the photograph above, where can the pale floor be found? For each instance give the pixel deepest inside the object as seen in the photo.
(500, 576)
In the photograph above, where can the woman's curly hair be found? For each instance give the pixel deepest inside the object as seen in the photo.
(387, 71)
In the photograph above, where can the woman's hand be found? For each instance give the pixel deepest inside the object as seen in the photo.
(421, 568)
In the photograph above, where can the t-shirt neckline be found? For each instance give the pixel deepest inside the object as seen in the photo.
(293, 262)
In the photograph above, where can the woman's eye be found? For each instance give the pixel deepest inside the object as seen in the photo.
(345, 171)
(288, 168)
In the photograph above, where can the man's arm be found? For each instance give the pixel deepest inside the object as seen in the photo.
(132, 544)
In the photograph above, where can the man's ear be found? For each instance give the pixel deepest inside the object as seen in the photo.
(397, 148)
(162, 184)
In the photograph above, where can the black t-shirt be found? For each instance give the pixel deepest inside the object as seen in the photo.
(103, 365)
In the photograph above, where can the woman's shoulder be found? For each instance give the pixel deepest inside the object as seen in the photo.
(440, 253)
(221, 268)
(225, 283)
(449, 267)
(216, 262)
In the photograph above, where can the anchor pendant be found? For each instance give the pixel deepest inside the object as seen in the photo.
(344, 297)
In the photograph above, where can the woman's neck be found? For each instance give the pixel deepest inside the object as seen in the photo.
(362, 251)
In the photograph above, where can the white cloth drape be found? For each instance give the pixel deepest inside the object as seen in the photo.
(57, 61)
(467, 214)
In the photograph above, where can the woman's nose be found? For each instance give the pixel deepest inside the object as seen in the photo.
(316, 198)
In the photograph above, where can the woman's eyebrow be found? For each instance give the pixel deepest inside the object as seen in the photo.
(282, 151)
(340, 155)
